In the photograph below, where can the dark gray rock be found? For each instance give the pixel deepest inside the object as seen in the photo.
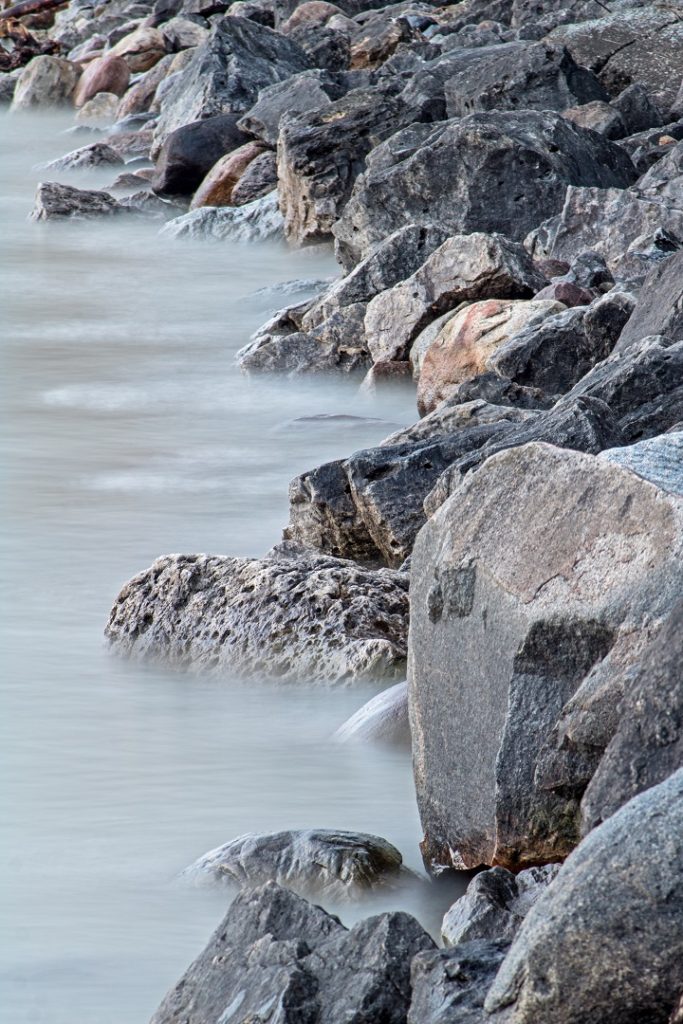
(97, 154)
(276, 950)
(637, 110)
(384, 717)
(325, 46)
(605, 319)
(490, 387)
(311, 862)
(305, 618)
(606, 934)
(56, 202)
(460, 177)
(549, 12)
(259, 180)
(659, 309)
(450, 985)
(600, 117)
(521, 583)
(189, 153)
(495, 904)
(664, 180)
(334, 344)
(309, 90)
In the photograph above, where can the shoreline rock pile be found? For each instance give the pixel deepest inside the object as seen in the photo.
(502, 181)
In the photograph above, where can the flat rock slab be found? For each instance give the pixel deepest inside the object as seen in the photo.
(61, 202)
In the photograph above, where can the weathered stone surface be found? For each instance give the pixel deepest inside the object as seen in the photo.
(664, 180)
(258, 180)
(227, 72)
(495, 904)
(454, 414)
(55, 202)
(464, 269)
(313, 862)
(659, 309)
(489, 387)
(620, 225)
(309, 90)
(308, 618)
(460, 176)
(450, 985)
(100, 111)
(141, 49)
(637, 110)
(45, 82)
(335, 343)
(510, 610)
(189, 153)
(104, 74)
(276, 950)
(97, 154)
(181, 33)
(463, 348)
(139, 96)
(312, 12)
(607, 932)
(599, 117)
(219, 184)
(384, 717)
(326, 47)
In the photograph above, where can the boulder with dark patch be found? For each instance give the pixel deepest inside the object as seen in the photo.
(189, 153)
(450, 985)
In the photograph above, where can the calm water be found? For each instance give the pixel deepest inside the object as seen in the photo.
(129, 432)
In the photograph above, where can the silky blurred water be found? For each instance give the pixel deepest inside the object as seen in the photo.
(128, 432)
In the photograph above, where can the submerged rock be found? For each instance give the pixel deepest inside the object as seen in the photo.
(384, 717)
(97, 154)
(311, 618)
(257, 221)
(56, 202)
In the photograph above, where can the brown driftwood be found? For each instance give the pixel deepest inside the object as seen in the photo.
(30, 7)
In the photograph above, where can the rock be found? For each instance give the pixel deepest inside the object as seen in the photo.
(189, 153)
(659, 309)
(181, 33)
(664, 181)
(637, 110)
(489, 387)
(312, 12)
(8, 82)
(611, 947)
(55, 202)
(100, 111)
(325, 47)
(308, 619)
(495, 904)
(619, 225)
(108, 74)
(377, 38)
(450, 985)
(217, 187)
(569, 294)
(45, 82)
(320, 862)
(510, 610)
(141, 49)
(530, 76)
(258, 180)
(310, 90)
(139, 96)
(606, 318)
(97, 154)
(227, 72)
(274, 949)
(465, 268)
(463, 348)
(453, 415)
(384, 717)
(600, 117)
(459, 177)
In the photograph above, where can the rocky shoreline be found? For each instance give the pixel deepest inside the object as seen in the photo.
(503, 184)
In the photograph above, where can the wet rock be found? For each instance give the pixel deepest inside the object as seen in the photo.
(659, 309)
(600, 117)
(189, 153)
(258, 180)
(384, 717)
(139, 96)
(611, 947)
(314, 862)
(100, 111)
(495, 904)
(97, 154)
(45, 82)
(104, 74)
(227, 72)
(315, 618)
(306, 91)
(464, 347)
(217, 187)
(56, 202)
(463, 269)
(460, 175)
(141, 49)
(450, 985)
(275, 949)
(510, 610)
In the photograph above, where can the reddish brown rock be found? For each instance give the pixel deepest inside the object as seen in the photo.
(138, 98)
(217, 187)
(312, 14)
(104, 74)
(141, 49)
(568, 293)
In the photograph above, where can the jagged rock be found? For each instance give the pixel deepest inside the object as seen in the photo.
(606, 318)
(620, 225)
(463, 269)
(219, 184)
(326, 47)
(45, 82)
(450, 985)
(189, 153)
(599, 117)
(552, 12)
(181, 33)
(257, 181)
(658, 459)
(606, 933)
(460, 176)
(510, 610)
(312, 12)
(463, 348)
(489, 387)
(384, 717)
(97, 154)
(100, 111)
(104, 74)
(335, 343)
(530, 76)
(311, 618)
(659, 309)
(314, 862)
(377, 37)
(495, 904)
(274, 949)
(637, 110)
(452, 415)
(55, 202)
(139, 96)
(310, 90)
(227, 72)
(141, 49)
(664, 180)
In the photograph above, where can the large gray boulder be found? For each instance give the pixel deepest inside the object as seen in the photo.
(659, 310)
(286, 618)
(450, 985)
(537, 566)
(313, 862)
(491, 172)
(274, 952)
(603, 943)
